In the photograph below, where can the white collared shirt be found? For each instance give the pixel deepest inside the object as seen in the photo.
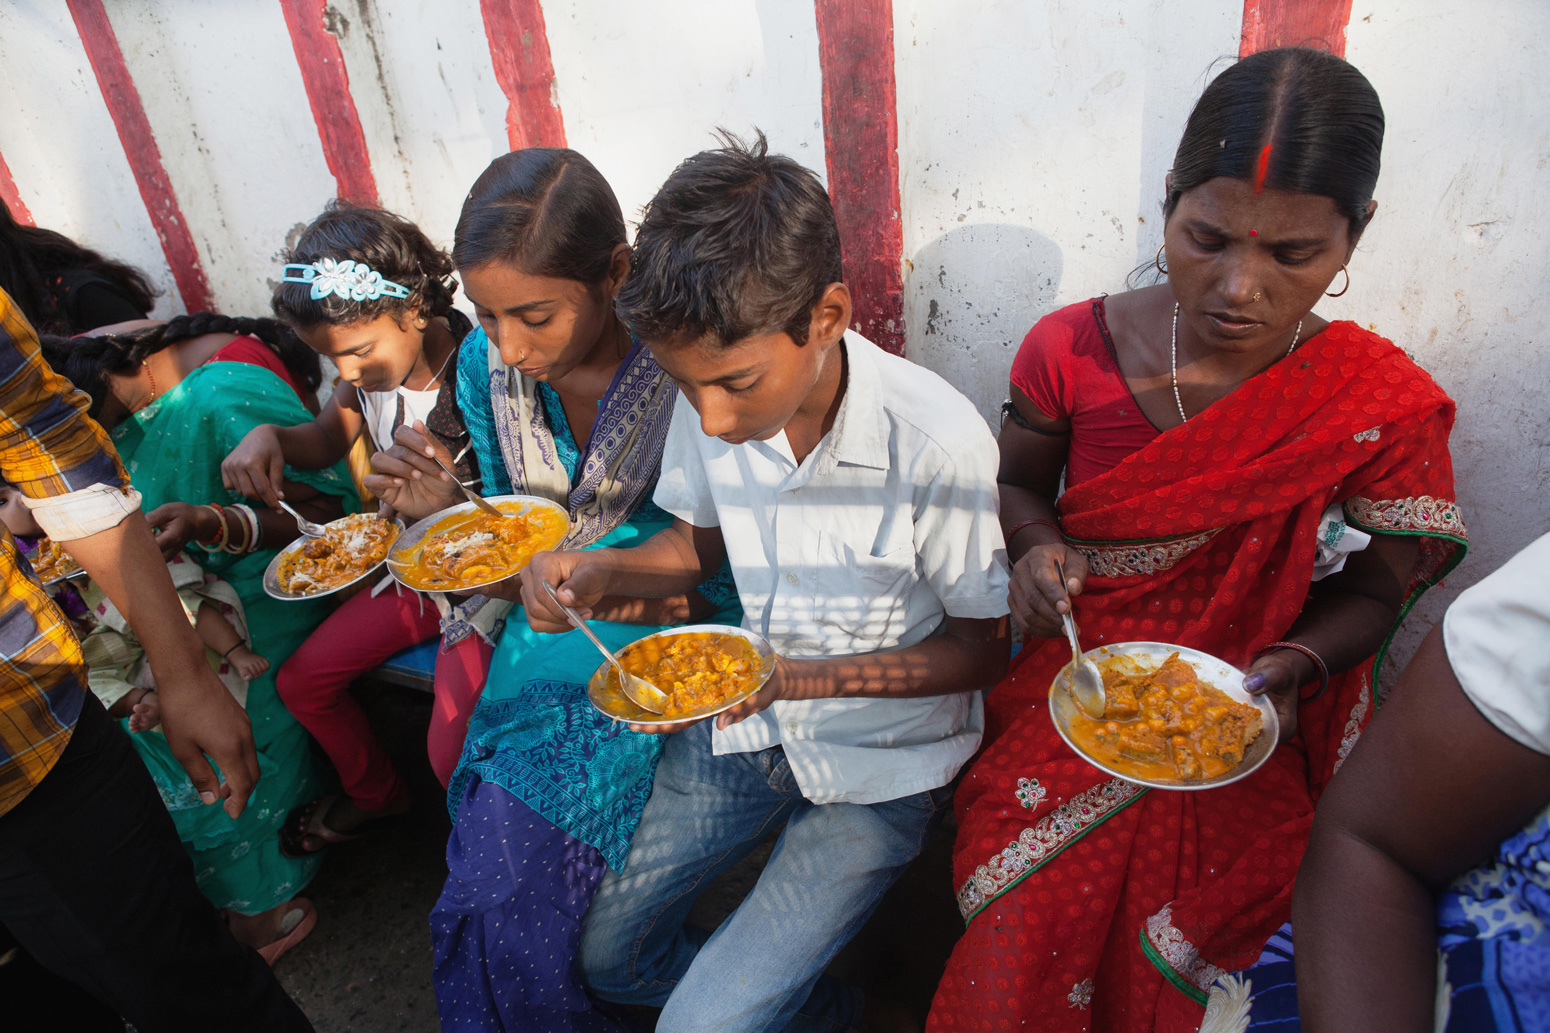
(890, 524)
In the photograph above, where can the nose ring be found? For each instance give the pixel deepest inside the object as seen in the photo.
(1257, 295)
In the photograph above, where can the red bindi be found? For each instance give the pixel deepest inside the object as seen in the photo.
(1253, 233)
(1264, 167)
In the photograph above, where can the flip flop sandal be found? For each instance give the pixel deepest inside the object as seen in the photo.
(297, 922)
(310, 820)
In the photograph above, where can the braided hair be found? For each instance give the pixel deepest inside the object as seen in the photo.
(389, 244)
(87, 362)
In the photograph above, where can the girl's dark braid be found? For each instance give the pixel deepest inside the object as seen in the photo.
(87, 362)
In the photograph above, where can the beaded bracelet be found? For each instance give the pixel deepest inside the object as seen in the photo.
(221, 540)
(1029, 523)
(1311, 655)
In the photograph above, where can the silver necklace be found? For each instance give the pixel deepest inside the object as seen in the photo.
(1173, 358)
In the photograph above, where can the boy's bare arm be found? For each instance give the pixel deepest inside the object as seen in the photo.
(670, 563)
(970, 654)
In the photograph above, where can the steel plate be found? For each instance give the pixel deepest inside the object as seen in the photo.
(1217, 672)
(401, 556)
(272, 572)
(612, 703)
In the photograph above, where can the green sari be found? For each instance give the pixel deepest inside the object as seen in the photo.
(173, 450)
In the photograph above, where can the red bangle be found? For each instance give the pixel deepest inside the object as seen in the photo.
(220, 534)
(1311, 655)
(1029, 523)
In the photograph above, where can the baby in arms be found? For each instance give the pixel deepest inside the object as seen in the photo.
(118, 672)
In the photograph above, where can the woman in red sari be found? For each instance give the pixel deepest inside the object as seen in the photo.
(1223, 450)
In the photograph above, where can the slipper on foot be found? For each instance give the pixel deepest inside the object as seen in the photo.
(299, 919)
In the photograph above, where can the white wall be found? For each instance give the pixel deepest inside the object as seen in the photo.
(1033, 139)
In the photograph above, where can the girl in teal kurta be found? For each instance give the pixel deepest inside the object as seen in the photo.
(559, 402)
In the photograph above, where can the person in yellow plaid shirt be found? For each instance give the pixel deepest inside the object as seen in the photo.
(134, 938)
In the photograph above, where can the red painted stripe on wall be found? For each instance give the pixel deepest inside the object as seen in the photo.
(519, 50)
(134, 133)
(327, 82)
(1294, 23)
(861, 149)
(13, 199)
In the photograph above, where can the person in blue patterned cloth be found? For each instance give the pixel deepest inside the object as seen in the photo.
(560, 402)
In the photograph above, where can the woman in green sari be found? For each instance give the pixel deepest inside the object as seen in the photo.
(177, 398)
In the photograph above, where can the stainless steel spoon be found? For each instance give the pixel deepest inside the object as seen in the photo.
(638, 690)
(305, 526)
(1086, 681)
(473, 496)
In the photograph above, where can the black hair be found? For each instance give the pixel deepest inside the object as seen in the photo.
(1319, 117)
(32, 258)
(87, 362)
(389, 244)
(545, 209)
(737, 242)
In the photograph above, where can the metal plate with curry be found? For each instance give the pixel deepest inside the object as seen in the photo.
(1148, 657)
(276, 582)
(604, 692)
(477, 558)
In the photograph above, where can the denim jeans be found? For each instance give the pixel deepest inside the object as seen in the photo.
(762, 970)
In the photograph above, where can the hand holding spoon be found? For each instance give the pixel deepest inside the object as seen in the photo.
(638, 690)
(472, 496)
(1086, 681)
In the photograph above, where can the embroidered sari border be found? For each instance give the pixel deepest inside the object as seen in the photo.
(1118, 560)
(1409, 518)
(1065, 823)
(1182, 985)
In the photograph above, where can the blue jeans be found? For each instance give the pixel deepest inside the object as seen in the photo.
(762, 970)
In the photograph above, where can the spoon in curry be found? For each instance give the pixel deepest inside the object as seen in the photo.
(638, 690)
(305, 526)
(1086, 681)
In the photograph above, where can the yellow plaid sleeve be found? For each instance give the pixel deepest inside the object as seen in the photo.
(51, 450)
(48, 445)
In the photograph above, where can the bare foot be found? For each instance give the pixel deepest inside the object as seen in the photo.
(146, 713)
(248, 663)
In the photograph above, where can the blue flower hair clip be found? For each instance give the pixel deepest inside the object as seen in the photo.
(349, 280)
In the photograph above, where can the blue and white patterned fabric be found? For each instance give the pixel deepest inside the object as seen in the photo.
(1493, 936)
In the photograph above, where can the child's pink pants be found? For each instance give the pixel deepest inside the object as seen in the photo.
(357, 637)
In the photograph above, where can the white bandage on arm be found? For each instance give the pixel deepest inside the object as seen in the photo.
(78, 514)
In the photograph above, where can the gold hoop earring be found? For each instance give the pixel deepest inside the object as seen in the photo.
(1158, 261)
(1342, 290)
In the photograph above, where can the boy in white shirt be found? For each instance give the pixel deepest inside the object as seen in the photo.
(854, 494)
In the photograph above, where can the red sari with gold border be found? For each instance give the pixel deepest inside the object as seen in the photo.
(1094, 903)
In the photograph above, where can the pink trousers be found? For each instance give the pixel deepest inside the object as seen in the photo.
(357, 637)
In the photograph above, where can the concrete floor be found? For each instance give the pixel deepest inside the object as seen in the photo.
(367, 965)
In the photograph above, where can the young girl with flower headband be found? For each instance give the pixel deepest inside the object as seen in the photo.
(368, 290)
